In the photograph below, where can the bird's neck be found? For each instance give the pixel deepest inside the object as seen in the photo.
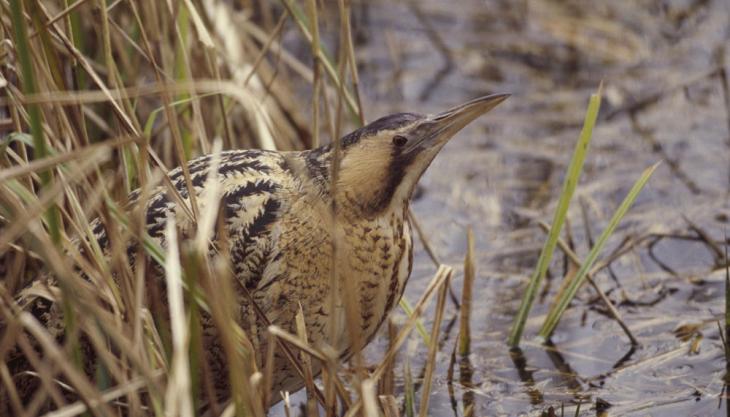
(357, 190)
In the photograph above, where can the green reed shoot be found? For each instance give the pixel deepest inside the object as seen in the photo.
(571, 181)
(22, 49)
(564, 297)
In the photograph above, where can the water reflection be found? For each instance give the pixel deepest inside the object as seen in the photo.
(526, 375)
(599, 380)
(567, 374)
(466, 372)
(624, 359)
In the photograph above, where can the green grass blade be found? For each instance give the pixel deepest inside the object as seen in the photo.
(50, 57)
(561, 304)
(22, 48)
(21, 191)
(15, 137)
(181, 71)
(327, 62)
(408, 309)
(152, 118)
(569, 184)
(77, 38)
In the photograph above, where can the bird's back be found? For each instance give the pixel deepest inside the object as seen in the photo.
(254, 190)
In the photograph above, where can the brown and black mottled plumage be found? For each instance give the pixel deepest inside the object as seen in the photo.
(277, 210)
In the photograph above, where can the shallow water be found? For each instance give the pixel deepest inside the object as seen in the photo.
(664, 100)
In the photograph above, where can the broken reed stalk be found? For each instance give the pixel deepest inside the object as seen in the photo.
(389, 405)
(369, 400)
(287, 404)
(466, 296)
(569, 184)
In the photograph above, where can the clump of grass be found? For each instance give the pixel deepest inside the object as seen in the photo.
(563, 298)
(569, 184)
(94, 136)
(570, 287)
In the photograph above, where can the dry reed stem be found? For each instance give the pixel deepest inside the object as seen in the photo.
(370, 402)
(316, 69)
(52, 161)
(433, 349)
(389, 405)
(466, 296)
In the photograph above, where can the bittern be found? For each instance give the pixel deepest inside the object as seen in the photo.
(293, 222)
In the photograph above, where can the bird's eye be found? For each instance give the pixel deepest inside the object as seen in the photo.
(399, 140)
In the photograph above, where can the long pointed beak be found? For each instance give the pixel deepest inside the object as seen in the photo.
(437, 129)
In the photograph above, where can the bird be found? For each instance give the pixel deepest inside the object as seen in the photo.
(299, 221)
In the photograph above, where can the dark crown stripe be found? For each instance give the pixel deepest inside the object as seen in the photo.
(390, 122)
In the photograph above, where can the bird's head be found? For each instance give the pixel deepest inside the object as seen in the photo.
(381, 162)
